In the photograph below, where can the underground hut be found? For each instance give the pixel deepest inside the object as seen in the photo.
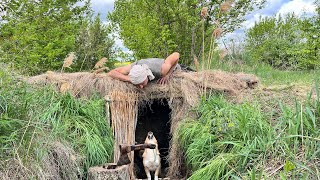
(158, 108)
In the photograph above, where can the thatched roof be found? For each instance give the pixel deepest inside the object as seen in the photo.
(188, 85)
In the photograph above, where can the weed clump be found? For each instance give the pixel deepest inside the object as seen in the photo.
(240, 141)
(48, 135)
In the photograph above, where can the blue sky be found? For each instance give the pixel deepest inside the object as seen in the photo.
(272, 7)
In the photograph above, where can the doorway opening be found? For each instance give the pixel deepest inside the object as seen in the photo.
(153, 117)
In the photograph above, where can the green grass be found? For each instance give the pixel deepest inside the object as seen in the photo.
(32, 119)
(226, 141)
(240, 141)
(267, 74)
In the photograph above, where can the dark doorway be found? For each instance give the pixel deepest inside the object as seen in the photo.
(153, 117)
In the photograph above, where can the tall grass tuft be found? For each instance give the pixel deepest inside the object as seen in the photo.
(32, 120)
(240, 141)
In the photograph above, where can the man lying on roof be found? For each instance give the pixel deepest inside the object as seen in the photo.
(141, 72)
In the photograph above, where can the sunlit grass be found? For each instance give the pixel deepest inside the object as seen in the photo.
(33, 118)
(240, 141)
(267, 74)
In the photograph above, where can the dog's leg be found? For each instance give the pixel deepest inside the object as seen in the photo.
(147, 173)
(157, 173)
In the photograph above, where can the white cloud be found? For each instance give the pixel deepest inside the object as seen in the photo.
(298, 7)
(275, 7)
(99, 2)
(119, 43)
(250, 22)
(271, 4)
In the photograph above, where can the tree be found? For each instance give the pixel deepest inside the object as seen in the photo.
(36, 36)
(287, 42)
(155, 28)
(311, 30)
(93, 43)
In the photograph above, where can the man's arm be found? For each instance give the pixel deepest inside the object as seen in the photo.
(169, 64)
(121, 73)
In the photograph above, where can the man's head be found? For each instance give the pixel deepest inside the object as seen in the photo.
(140, 75)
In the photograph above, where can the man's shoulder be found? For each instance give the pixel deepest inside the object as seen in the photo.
(150, 61)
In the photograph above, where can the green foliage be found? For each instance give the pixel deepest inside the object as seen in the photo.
(286, 42)
(93, 43)
(267, 74)
(37, 36)
(225, 135)
(32, 119)
(157, 28)
(237, 140)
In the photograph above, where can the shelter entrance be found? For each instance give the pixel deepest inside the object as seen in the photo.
(153, 117)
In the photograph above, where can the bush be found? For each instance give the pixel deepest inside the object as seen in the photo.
(284, 42)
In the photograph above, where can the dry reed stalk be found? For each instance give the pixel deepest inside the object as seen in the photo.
(204, 12)
(210, 50)
(190, 92)
(226, 6)
(217, 32)
(68, 60)
(196, 62)
(215, 35)
(100, 63)
(222, 54)
(203, 56)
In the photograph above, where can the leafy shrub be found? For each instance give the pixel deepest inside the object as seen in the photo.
(284, 42)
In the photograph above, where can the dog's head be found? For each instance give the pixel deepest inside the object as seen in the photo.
(151, 138)
(150, 135)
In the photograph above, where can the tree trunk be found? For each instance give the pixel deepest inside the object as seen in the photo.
(102, 173)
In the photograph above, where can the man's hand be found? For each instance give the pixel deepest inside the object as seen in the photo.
(165, 79)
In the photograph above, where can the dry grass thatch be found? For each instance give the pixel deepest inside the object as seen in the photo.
(182, 93)
(60, 163)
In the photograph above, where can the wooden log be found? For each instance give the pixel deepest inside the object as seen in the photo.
(102, 173)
